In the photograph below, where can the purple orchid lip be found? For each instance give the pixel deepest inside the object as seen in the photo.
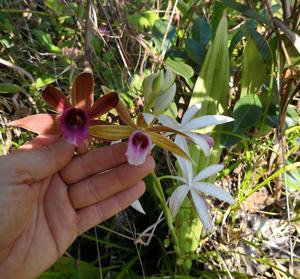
(74, 125)
(209, 140)
(139, 145)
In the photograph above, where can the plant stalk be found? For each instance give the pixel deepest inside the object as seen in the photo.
(161, 196)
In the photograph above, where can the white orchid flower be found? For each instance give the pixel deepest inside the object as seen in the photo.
(138, 207)
(196, 187)
(189, 124)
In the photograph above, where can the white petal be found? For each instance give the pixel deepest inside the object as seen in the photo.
(202, 210)
(138, 207)
(214, 190)
(205, 121)
(201, 142)
(185, 165)
(168, 121)
(177, 198)
(190, 113)
(148, 117)
(207, 172)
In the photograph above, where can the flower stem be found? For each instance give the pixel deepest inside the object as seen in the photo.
(161, 196)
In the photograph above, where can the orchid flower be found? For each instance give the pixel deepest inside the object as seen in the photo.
(73, 117)
(189, 123)
(197, 187)
(141, 136)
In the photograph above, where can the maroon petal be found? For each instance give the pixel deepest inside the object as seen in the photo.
(42, 124)
(104, 104)
(82, 94)
(55, 98)
(74, 125)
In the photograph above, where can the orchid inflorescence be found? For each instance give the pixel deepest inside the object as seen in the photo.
(77, 120)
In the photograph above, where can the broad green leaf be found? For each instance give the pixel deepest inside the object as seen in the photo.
(228, 137)
(178, 66)
(246, 112)
(158, 32)
(211, 88)
(195, 51)
(253, 71)
(246, 10)
(201, 31)
(10, 88)
(217, 13)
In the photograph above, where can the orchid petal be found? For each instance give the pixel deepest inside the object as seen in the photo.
(213, 190)
(177, 199)
(202, 210)
(111, 132)
(55, 98)
(104, 104)
(148, 117)
(82, 95)
(168, 121)
(140, 121)
(167, 130)
(124, 114)
(205, 121)
(190, 113)
(201, 142)
(185, 165)
(95, 122)
(74, 125)
(208, 138)
(169, 145)
(207, 172)
(138, 207)
(139, 146)
(42, 124)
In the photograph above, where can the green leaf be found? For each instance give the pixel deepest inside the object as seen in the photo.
(44, 80)
(246, 112)
(254, 69)
(178, 66)
(55, 6)
(145, 19)
(201, 31)
(68, 267)
(45, 40)
(211, 88)
(228, 137)
(246, 11)
(195, 51)
(10, 88)
(158, 32)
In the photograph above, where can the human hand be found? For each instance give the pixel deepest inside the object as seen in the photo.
(48, 198)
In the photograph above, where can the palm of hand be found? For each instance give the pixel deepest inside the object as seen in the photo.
(42, 217)
(47, 225)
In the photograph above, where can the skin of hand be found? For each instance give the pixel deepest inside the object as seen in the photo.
(48, 197)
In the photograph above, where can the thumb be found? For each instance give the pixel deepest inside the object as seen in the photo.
(29, 167)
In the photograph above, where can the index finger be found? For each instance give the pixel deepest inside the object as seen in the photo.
(94, 161)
